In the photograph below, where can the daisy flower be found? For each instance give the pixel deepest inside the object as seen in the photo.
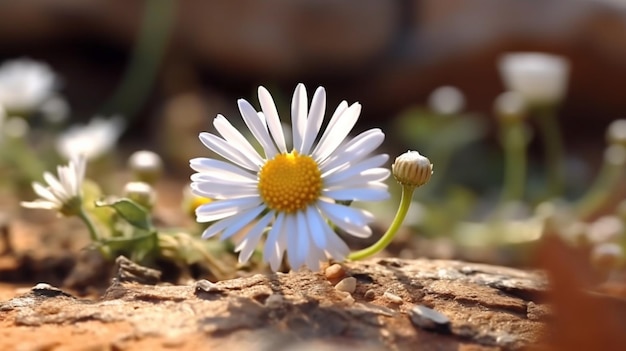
(25, 84)
(297, 190)
(63, 192)
(91, 140)
(540, 78)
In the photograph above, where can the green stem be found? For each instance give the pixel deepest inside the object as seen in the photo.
(405, 202)
(514, 143)
(93, 233)
(553, 143)
(605, 183)
(153, 37)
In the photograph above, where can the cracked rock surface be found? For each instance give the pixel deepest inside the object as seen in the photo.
(488, 308)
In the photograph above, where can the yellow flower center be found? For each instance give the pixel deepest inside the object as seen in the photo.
(290, 182)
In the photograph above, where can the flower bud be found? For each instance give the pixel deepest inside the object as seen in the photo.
(192, 201)
(412, 169)
(446, 100)
(141, 193)
(146, 166)
(616, 132)
(510, 106)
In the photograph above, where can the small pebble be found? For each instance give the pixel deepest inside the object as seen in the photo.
(427, 318)
(392, 297)
(370, 294)
(274, 300)
(346, 297)
(207, 286)
(347, 284)
(334, 271)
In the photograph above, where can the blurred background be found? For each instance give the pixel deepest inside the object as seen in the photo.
(169, 67)
(182, 62)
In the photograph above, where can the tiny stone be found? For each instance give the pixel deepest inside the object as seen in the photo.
(173, 341)
(207, 286)
(334, 271)
(392, 297)
(429, 319)
(43, 286)
(347, 284)
(274, 300)
(348, 300)
(45, 289)
(505, 339)
(370, 294)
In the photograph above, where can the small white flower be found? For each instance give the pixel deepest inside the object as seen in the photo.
(92, 140)
(25, 84)
(63, 192)
(294, 189)
(446, 100)
(541, 78)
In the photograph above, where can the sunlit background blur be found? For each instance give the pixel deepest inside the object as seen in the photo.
(169, 67)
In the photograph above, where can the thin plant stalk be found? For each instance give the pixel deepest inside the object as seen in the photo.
(514, 143)
(383, 242)
(601, 190)
(553, 143)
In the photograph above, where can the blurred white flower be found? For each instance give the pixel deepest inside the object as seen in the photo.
(25, 84)
(62, 193)
(16, 127)
(541, 78)
(446, 100)
(297, 189)
(92, 140)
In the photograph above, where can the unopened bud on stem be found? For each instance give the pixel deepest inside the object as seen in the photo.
(412, 169)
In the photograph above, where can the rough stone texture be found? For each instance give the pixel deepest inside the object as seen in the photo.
(488, 307)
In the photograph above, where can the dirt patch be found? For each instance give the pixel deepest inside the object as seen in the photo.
(486, 307)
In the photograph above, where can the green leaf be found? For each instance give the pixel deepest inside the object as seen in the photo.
(132, 212)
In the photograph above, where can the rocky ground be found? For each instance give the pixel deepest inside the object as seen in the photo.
(378, 304)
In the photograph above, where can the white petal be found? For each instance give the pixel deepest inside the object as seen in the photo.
(299, 108)
(336, 132)
(216, 190)
(45, 193)
(314, 257)
(233, 136)
(354, 150)
(272, 252)
(316, 226)
(221, 169)
(251, 241)
(225, 208)
(355, 174)
(56, 187)
(244, 219)
(257, 127)
(314, 121)
(352, 220)
(356, 170)
(228, 223)
(227, 151)
(336, 248)
(369, 193)
(294, 239)
(40, 204)
(273, 121)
